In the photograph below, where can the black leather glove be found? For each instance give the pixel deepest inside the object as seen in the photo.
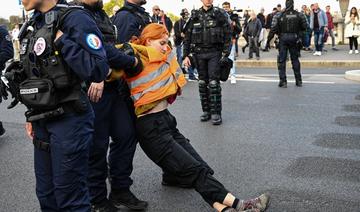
(14, 75)
(135, 70)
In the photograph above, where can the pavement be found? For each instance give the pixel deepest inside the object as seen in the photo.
(329, 59)
(302, 145)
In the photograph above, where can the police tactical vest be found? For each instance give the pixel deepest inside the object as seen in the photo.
(50, 82)
(290, 22)
(207, 28)
(106, 27)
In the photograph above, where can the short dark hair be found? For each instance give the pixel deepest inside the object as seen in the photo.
(279, 5)
(274, 8)
(226, 3)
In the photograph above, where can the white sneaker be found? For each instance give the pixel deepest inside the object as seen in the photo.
(315, 53)
(319, 53)
(351, 51)
(233, 80)
(356, 51)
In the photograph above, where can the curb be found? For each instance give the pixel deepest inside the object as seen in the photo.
(304, 63)
(353, 75)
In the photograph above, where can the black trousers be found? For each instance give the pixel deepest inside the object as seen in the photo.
(208, 66)
(353, 42)
(288, 44)
(168, 148)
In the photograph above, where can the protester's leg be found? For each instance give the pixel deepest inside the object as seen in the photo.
(316, 40)
(251, 47)
(159, 145)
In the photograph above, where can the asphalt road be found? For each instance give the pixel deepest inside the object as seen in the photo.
(300, 144)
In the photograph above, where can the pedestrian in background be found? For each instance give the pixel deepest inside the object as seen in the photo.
(179, 36)
(252, 31)
(331, 27)
(318, 23)
(352, 29)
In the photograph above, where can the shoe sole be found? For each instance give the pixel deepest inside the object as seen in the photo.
(131, 207)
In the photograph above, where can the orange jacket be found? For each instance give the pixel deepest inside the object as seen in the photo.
(161, 78)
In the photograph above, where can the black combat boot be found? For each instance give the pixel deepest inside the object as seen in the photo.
(204, 98)
(128, 199)
(215, 102)
(283, 84)
(103, 206)
(299, 83)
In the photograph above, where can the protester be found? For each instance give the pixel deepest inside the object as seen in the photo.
(152, 91)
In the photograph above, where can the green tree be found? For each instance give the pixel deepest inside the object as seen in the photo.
(108, 7)
(173, 17)
(5, 22)
(14, 19)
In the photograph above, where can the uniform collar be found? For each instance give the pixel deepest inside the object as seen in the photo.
(206, 11)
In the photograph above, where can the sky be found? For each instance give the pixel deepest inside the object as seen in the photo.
(11, 7)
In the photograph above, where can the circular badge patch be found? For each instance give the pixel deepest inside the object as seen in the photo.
(39, 46)
(93, 41)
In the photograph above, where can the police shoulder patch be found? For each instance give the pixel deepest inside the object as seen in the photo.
(93, 41)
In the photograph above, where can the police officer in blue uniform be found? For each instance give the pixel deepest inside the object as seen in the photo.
(61, 47)
(208, 38)
(131, 19)
(6, 53)
(112, 119)
(289, 24)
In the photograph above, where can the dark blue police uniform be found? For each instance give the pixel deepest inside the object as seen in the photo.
(130, 20)
(289, 25)
(62, 142)
(113, 118)
(6, 53)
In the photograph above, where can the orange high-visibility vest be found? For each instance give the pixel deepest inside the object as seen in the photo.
(162, 77)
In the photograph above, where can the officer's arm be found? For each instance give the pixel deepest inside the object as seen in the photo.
(187, 40)
(227, 34)
(82, 48)
(177, 29)
(6, 48)
(118, 59)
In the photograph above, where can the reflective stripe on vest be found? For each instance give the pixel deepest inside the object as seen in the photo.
(154, 74)
(158, 80)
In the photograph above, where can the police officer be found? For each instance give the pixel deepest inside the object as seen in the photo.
(61, 47)
(131, 19)
(208, 39)
(289, 24)
(6, 53)
(113, 118)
